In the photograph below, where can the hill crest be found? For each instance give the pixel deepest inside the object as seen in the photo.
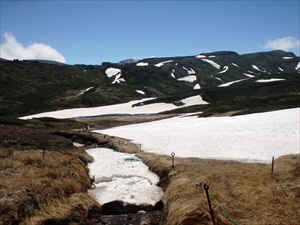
(29, 87)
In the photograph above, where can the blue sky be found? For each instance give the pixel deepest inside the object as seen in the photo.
(92, 32)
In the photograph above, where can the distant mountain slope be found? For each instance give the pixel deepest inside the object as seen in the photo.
(216, 68)
(29, 87)
(47, 61)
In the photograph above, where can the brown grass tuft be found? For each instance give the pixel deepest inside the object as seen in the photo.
(249, 193)
(80, 208)
(35, 189)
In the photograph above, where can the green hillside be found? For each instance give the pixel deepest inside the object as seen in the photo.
(29, 87)
(273, 62)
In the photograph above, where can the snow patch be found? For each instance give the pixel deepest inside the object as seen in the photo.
(190, 78)
(200, 56)
(190, 71)
(172, 74)
(118, 79)
(225, 69)
(195, 100)
(248, 75)
(112, 72)
(216, 65)
(78, 144)
(86, 90)
(140, 92)
(298, 66)
(219, 79)
(286, 57)
(123, 177)
(234, 64)
(197, 86)
(269, 80)
(232, 82)
(142, 64)
(162, 63)
(124, 108)
(255, 67)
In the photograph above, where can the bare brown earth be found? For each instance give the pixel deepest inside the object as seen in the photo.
(113, 121)
(53, 189)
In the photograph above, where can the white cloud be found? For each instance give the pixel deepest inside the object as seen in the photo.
(285, 44)
(11, 49)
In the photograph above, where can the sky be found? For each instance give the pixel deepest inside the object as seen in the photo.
(92, 32)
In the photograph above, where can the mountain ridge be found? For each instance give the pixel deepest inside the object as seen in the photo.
(29, 87)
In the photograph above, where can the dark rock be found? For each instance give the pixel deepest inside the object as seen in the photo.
(119, 207)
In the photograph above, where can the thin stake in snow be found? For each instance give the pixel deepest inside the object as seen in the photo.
(173, 154)
(272, 164)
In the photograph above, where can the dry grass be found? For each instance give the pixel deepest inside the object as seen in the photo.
(36, 189)
(248, 192)
(114, 121)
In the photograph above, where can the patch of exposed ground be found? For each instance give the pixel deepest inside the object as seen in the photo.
(104, 122)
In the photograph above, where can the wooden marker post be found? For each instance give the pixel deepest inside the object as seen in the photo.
(272, 164)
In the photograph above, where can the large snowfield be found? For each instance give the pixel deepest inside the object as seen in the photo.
(118, 109)
(249, 138)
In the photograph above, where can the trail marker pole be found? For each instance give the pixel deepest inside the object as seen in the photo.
(272, 164)
(173, 154)
(44, 153)
(206, 187)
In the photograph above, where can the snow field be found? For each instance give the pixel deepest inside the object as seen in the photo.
(124, 108)
(248, 138)
(123, 177)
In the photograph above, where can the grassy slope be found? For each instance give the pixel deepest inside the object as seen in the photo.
(29, 87)
(267, 62)
(249, 193)
(43, 187)
(249, 96)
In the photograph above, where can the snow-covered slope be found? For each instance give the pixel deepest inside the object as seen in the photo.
(121, 109)
(248, 138)
(226, 66)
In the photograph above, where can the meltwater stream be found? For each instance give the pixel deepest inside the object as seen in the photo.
(122, 178)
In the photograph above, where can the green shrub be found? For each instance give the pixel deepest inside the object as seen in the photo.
(12, 121)
(23, 147)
